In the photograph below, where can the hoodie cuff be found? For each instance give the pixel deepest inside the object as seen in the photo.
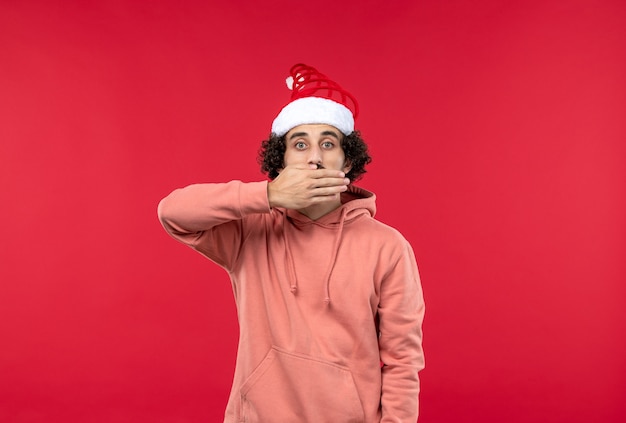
(253, 198)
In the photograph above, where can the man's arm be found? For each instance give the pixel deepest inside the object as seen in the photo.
(207, 217)
(401, 312)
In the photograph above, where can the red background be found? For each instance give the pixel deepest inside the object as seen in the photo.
(498, 134)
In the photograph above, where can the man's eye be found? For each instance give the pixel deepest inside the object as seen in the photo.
(300, 145)
(328, 144)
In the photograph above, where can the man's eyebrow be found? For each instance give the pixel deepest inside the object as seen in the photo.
(298, 134)
(331, 133)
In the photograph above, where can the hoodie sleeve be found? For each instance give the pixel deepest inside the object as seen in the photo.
(209, 217)
(400, 313)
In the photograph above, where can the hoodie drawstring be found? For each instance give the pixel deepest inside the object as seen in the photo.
(333, 258)
(293, 281)
(289, 259)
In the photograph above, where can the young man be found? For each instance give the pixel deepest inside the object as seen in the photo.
(329, 299)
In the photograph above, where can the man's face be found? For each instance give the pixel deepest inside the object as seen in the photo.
(316, 146)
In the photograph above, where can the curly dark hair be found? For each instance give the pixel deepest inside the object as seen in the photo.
(272, 155)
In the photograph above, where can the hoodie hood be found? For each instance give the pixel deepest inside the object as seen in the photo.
(355, 203)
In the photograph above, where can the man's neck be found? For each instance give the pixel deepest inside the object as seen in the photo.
(320, 210)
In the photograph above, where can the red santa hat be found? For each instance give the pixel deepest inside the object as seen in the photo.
(315, 99)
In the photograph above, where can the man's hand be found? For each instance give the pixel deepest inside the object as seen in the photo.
(298, 187)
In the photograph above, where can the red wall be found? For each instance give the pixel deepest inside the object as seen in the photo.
(498, 134)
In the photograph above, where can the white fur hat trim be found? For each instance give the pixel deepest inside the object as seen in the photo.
(312, 110)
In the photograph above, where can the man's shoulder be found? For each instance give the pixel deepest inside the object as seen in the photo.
(380, 229)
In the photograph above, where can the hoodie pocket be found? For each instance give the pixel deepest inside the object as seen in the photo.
(295, 388)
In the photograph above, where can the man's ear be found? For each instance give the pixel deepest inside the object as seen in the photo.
(347, 166)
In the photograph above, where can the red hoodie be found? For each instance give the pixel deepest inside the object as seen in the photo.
(321, 304)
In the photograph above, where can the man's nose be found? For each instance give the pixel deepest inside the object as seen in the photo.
(315, 156)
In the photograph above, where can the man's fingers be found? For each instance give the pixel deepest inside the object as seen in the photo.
(328, 191)
(331, 182)
(313, 172)
(327, 173)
